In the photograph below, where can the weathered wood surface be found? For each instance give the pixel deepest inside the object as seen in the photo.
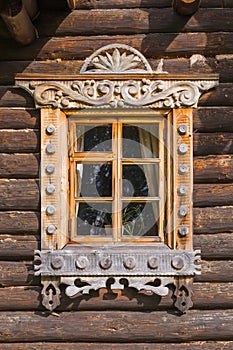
(205, 295)
(213, 246)
(16, 222)
(22, 273)
(19, 165)
(131, 21)
(18, 247)
(207, 195)
(212, 143)
(117, 326)
(19, 194)
(98, 4)
(186, 7)
(209, 345)
(213, 119)
(19, 141)
(213, 168)
(19, 119)
(151, 45)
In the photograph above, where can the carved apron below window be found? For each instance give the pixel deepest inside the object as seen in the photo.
(116, 177)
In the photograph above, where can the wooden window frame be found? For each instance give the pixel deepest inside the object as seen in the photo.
(108, 85)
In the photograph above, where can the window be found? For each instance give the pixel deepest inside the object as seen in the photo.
(116, 177)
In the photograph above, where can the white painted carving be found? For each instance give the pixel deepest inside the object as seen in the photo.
(117, 59)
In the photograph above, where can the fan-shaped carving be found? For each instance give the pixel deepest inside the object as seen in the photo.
(117, 59)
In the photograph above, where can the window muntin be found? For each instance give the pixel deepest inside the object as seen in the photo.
(117, 180)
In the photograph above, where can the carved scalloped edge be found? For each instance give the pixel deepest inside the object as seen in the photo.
(139, 283)
(197, 259)
(37, 262)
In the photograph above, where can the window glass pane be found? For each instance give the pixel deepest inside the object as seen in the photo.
(93, 180)
(140, 219)
(141, 140)
(94, 219)
(141, 180)
(94, 138)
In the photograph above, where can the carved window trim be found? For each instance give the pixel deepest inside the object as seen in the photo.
(116, 77)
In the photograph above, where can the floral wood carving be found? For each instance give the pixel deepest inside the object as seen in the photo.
(111, 59)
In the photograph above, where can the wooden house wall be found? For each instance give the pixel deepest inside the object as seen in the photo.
(125, 320)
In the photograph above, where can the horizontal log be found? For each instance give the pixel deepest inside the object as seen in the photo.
(209, 345)
(213, 246)
(213, 119)
(151, 45)
(18, 118)
(216, 271)
(22, 273)
(16, 222)
(17, 97)
(18, 247)
(19, 195)
(21, 141)
(213, 169)
(209, 195)
(105, 4)
(131, 21)
(212, 143)
(205, 295)
(213, 219)
(117, 326)
(19, 165)
(17, 274)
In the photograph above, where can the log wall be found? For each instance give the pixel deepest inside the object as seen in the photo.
(124, 320)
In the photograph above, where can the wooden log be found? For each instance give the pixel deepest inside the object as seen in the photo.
(19, 165)
(214, 271)
(116, 327)
(21, 141)
(18, 247)
(19, 119)
(213, 219)
(19, 194)
(16, 222)
(212, 143)
(186, 7)
(209, 345)
(205, 295)
(17, 274)
(213, 119)
(213, 169)
(15, 97)
(158, 45)
(209, 195)
(215, 246)
(111, 4)
(18, 21)
(131, 21)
